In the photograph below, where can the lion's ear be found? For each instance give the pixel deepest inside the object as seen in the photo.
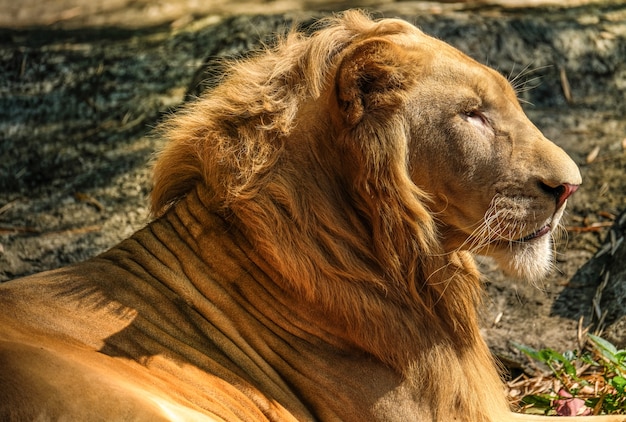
(372, 77)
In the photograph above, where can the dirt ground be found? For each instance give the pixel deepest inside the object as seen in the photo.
(82, 84)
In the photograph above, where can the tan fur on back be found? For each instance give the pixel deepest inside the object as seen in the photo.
(311, 255)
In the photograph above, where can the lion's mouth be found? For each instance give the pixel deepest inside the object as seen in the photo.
(539, 233)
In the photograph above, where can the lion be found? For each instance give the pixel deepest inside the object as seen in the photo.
(311, 255)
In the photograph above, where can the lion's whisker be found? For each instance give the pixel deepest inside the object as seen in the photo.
(513, 80)
(517, 81)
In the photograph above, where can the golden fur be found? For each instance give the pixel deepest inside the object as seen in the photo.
(311, 255)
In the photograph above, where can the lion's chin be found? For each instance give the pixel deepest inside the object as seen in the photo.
(530, 260)
(531, 257)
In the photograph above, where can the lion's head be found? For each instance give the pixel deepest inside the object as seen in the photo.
(495, 184)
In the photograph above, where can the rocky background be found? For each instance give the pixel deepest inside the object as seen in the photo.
(83, 83)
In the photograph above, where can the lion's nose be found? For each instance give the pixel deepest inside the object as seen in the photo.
(560, 192)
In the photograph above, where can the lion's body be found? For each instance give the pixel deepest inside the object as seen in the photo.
(310, 259)
(180, 321)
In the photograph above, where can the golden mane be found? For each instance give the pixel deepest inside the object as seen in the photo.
(333, 212)
(240, 124)
(233, 140)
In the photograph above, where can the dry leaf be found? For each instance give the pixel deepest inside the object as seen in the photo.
(88, 199)
(591, 157)
(565, 86)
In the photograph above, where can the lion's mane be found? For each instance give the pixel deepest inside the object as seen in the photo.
(352, 235)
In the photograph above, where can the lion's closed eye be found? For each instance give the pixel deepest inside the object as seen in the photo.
(479, 120)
